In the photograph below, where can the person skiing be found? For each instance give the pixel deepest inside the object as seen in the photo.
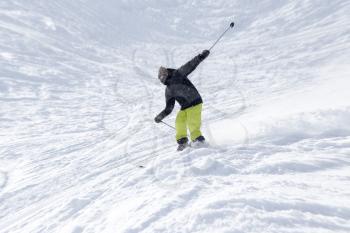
(180, 89)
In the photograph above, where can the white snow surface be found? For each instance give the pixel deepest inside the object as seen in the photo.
(79, 91)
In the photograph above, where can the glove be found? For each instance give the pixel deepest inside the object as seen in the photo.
(158, 119)
(204, 54)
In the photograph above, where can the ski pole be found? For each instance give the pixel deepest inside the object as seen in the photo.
(168, 125)
(231, 26)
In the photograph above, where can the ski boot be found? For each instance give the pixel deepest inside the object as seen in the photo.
(183, 143)
(199, 142)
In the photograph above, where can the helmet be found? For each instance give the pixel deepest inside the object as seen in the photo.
(163, 74)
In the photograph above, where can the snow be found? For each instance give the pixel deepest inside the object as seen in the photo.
(78, 94)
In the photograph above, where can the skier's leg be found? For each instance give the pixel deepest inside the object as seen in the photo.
(194, 121)
(180, 125)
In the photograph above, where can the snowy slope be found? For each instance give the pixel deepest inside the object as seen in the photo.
(78, 94)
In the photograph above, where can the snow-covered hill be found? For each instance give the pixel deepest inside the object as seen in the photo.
(78, 94)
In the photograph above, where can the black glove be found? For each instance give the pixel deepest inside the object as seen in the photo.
(158, 119)
(204, 54)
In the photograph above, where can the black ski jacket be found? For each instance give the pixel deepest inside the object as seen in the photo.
(180, 88)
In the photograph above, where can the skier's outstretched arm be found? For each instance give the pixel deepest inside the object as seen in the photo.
(170, 103)
(192, 64)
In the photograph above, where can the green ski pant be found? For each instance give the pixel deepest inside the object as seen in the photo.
(190, 118)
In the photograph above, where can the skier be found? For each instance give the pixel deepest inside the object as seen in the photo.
(180, 88)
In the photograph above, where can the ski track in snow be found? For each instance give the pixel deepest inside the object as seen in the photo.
(78, 98)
